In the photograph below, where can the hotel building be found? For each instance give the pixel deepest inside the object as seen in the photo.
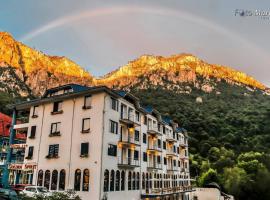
(104, 145)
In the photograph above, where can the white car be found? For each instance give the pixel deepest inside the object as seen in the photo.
(31, 191)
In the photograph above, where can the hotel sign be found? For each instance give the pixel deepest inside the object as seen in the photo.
(22, 166)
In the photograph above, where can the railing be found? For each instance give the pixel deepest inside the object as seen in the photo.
(127, 116)
(129, 139)
(172, 168)
(170, 190)
(171, 152)
(154, 165)
(152, 128)
(128, 161)
(170, 137)
(153, 147)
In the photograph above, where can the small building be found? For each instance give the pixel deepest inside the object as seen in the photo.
(17, 156)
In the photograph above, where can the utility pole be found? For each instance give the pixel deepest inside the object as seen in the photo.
(12, 134)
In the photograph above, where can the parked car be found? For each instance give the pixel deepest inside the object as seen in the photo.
(8, 194)
(31, 191)
(19, 187)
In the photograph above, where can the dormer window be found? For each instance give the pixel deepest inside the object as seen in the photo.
(69, 90)
(87, 102)
(57, 107)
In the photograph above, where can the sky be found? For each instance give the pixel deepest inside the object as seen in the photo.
(103, 35)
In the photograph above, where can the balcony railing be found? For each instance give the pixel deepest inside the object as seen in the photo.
(170, 137)
(172, 168)
(129, 119)
(166, 191)
(154, 147)
(170, 152)
(128, 162)
(129, 139)
(154, 165)
(153, 130)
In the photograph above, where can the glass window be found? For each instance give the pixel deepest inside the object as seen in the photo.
(129, 180)
(113, 127)
(112, 181)
(117, 181)
(33, 132)
(30, 152)
(55, 129)
(144, 138)
(143, 181)
(57, 106)
(40, 178)
(86, 177)
(86, 125)
(35, 111)
(77, 180)
(114, 104)
(54, 180)
(138, 181)
(137, 115)
(123, 178)
(87, 102)
(164, 145)
(134, 181)
(112, 150)
(62, 179)
(137, 135)
(144, 156)
(47, 179)
(106, 181)
(53, 151)
(165, 161)
(84, 149)
(136, 155)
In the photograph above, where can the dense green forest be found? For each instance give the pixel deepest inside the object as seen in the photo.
(229, 135)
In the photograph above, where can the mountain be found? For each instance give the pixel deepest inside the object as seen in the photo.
(226, 112)
(36, 69)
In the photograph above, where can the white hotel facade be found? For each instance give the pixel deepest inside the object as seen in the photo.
(104, 145)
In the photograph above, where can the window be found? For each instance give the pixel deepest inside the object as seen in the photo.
(33, 132)
(117, 181)
(159, 143)
(174, 162)
(57, 107)
(113, 127)
(40, 178)
(106, 181)
(136, 155)
(137, 115)
(144, 156)
(164, 145)
(54, 180)
(138, 181)
(30, 152)
(62, 179)
(165, 161)
(55, 129)
(137, 135)
(123, 178)
(77, 180)
(86, 175)
(35, 112)
(178, 150)
(84, 149)
(112, 150)
(86, 125)
(87, 102)
(158, 159)
(145, 120)
(53, 151)
(174, 149)
(134, 181)
(114, 104)
(112, 181)
(144, 138)
(143, 181)
(47, 179)
(129, 180)
(178, 163)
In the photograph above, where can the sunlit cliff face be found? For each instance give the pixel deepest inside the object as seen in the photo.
(40, 71)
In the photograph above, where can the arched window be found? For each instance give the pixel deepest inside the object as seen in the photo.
(129, 180)
(150, 181)
(157, 180)
(160, 180)
(54, 180)
(112, 181)
(40, 178)
(134, 181)
(123, 178)
(117, 181)
(77, 180)
(62, 179)
(86, 176)
(143, 181)
(106, 181)
(138, 181)
(47, 179)
(147, 181)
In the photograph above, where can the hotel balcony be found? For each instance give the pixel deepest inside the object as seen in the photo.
(171, 153)
(172, 168)
(129, 119)
(153, 148)
(153, 130)
(128, 162)
(165, 192)
(154, 166)
(170, 138)
(128, 140)
(182, 145)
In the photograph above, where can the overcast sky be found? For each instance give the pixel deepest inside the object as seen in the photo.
(103, 35)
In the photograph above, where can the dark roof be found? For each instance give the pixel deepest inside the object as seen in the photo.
(166, 120)
(74, 87)
(148, 109)
(122, 93)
